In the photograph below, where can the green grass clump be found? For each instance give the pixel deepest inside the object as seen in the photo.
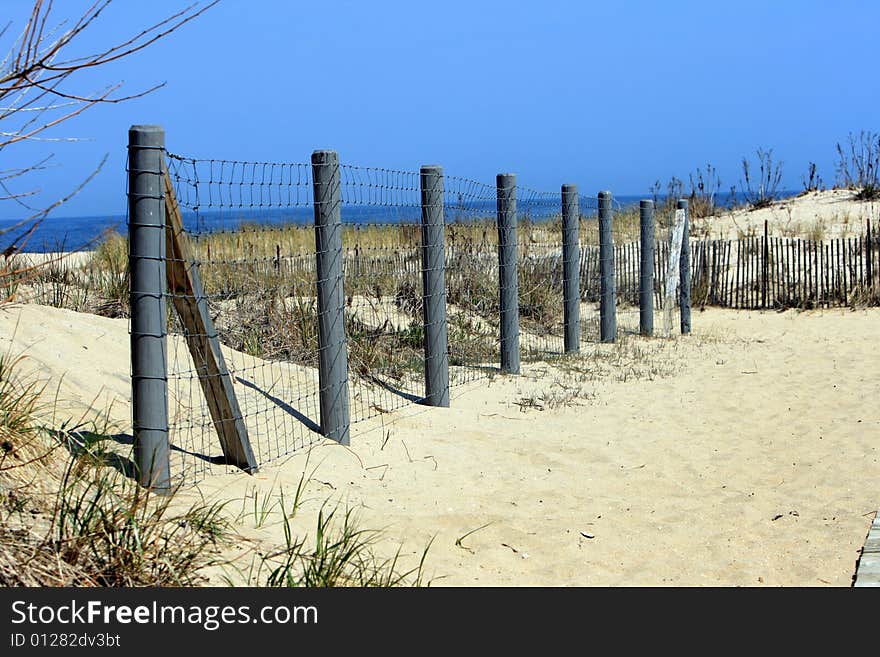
(72, 515)
(108, 273)
(19, 409)
(340, 554)
(112, 532)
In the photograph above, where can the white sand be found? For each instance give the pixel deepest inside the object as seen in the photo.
(755, 462)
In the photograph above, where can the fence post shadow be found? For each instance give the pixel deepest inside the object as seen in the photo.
(79, 443)
(283, 405)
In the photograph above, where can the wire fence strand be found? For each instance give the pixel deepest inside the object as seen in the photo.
(251, 231)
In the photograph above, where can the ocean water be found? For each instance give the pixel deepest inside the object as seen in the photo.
(71, 233)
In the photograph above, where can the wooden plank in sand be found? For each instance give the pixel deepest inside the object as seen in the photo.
(868, 570)
(190, 302)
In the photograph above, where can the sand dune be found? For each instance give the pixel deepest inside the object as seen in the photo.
(827, 214)
(745, 454)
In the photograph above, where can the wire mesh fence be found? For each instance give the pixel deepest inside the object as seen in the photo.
(590, 268)
(254, 254)
(280, 302)
(381, 208)
(472, 279)
(627, 259)
(304, 298)
(540, 293)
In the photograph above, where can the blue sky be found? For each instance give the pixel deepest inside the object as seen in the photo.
(608, 95)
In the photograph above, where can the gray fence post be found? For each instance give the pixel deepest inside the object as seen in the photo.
(607, 292)
(434, 287)
(332, 348)
(149, 379)
(507, 268)
(646, 268)
(684, 271)
(571, 271)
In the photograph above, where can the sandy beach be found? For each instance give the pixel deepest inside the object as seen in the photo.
(745, 454)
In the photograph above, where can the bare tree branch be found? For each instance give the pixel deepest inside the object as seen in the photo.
(8, 174)
(36, 76)
(33, 221)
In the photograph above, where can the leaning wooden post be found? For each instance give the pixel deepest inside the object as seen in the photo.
(191, 304)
